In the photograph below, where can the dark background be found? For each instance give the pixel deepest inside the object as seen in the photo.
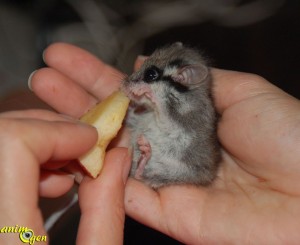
(262, 39)
(267, 44)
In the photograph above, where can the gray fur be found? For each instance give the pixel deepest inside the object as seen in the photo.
(178, 118)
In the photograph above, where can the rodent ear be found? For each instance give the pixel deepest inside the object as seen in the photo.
(192, 75)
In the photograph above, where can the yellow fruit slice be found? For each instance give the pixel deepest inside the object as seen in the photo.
(107, 118)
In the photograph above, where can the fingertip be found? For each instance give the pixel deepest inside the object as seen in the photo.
(118, 161)
(36, 78)
(43, 82)
(54, 184)
(66, 140)
(50, 52)
(90, 132)
(109, 185)
(139, 61)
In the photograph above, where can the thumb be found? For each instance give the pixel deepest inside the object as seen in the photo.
(102, 201)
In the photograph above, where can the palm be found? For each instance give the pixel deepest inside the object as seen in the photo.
(254, 197)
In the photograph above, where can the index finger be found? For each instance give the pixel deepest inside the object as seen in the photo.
(96, 77)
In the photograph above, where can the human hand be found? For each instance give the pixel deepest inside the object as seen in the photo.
(35, 145)
(255, 196)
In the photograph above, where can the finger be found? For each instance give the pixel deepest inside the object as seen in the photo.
(231, 87)
(102, 201)
(26, 121)
(76, 170)
(60, 92)
(85, 69)
(139, 61)
(55, 183)
(122, 139)
(36, 114)
(60, 140)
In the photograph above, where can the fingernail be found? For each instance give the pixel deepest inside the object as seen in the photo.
(29, 80)
(71, 176)
(78, 177)
(127, 163)
(43, 56)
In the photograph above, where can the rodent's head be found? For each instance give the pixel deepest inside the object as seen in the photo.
(170, 71)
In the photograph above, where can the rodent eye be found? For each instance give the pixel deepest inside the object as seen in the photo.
(151, 74)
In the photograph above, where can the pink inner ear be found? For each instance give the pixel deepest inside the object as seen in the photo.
(192, 75)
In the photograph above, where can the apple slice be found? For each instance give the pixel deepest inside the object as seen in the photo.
(107, 118)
